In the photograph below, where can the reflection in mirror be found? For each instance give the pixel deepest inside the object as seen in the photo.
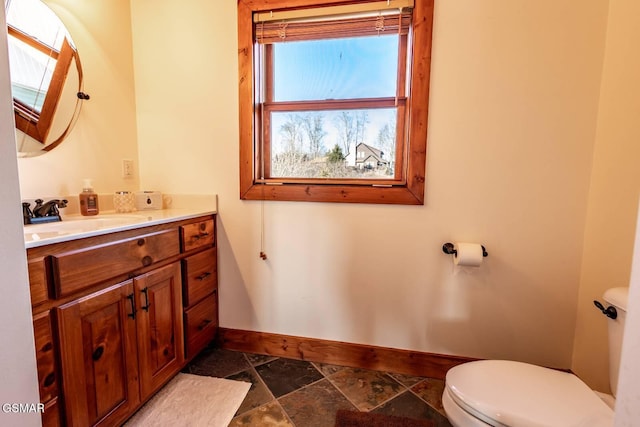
(46, 76)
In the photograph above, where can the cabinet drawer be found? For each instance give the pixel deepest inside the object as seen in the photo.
(197, 234)
(79, 269)
(38, 281)
(201, 324)
(45, 357)
(200, 276)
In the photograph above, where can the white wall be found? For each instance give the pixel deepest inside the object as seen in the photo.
(513, 109)
(105, 132)
(17, 353)
(614, 190)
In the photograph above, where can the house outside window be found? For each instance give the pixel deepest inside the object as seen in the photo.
(333, 99)
(367, 157)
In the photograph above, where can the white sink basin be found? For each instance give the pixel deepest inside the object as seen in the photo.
(79, 225)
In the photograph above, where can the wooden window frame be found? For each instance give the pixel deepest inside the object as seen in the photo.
(37, 125)
(406, 188)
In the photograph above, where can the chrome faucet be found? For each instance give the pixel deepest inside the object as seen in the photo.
(43, 212)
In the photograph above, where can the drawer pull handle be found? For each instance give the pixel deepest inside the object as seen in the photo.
(203, 276)
(147, 261)
(48, 346)
(200, 236)
(204, 324)
(97, 354)
(50, 379)
(133, 307)
(145, 307)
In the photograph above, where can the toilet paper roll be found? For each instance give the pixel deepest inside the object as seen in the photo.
(469, 254)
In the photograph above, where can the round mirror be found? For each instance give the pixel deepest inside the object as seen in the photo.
(46, 76)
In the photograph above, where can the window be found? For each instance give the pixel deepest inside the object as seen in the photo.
(333, 99)
(40, 55)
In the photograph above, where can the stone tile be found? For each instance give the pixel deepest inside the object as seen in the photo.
(430, 390)
(409, 405)
(258, 393)
(406, 380)
(216, 362)
(283, 376)
(366, 389)
(315, 405)
(259, 359)
(270, 415)
(327, 369)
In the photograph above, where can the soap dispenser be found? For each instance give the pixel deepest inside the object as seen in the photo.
(88, 199)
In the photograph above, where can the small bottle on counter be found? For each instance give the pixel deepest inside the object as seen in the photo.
(88, 199)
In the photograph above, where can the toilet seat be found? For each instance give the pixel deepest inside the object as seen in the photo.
(508, 393)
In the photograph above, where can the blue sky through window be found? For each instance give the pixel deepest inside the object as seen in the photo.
(359, 67)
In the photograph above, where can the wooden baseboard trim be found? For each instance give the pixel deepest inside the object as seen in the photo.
(340, 353)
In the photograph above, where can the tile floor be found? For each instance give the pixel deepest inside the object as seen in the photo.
(287, 392)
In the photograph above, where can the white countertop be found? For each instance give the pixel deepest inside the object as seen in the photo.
(75, 226)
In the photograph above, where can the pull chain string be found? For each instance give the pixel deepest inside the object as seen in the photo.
(261, 96)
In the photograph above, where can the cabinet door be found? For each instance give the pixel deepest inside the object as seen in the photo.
(160, 332)
(99, 356)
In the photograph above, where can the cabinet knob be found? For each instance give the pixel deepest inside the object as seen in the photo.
(147, 261)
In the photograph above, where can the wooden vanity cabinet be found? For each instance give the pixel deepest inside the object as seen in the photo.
(104, 346)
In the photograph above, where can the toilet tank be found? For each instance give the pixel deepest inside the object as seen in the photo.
(617, 297)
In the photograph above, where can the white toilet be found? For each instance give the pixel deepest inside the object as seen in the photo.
(515, 394)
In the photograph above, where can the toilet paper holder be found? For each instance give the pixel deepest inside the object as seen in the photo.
(449, 249)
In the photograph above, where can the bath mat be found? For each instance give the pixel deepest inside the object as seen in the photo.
(346, 418)
(192, 400)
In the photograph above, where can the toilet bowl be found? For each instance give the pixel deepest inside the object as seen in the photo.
(505, 393)
(516, 394)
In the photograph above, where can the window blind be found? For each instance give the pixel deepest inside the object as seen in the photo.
(274, 32)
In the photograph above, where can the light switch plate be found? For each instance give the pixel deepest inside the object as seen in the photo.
(127, 168)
